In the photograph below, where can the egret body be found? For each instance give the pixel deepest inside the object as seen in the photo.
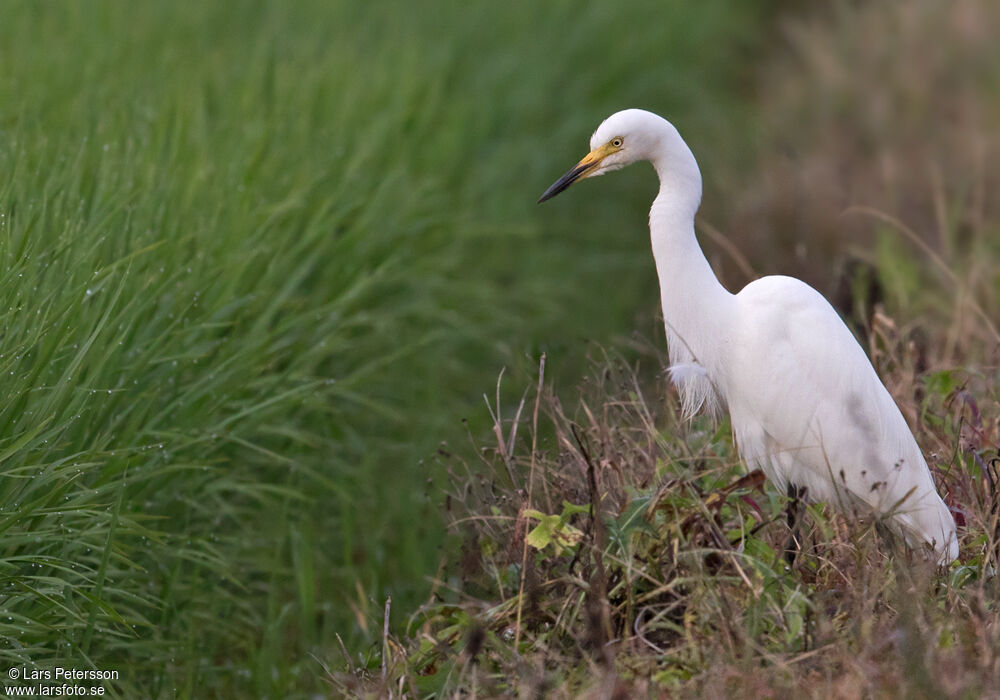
(805, 402)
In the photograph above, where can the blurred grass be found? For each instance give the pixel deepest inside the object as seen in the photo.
(878, 137)
(256, 259)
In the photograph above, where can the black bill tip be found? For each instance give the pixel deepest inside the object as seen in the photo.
(565, 181)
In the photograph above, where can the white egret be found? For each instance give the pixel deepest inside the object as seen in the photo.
(805, 402)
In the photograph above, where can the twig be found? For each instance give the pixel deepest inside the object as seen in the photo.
(343, 650)
(637, 628)
(531, 483)
(599, 588)
(385, 637)
(720, 240)
(505, 446)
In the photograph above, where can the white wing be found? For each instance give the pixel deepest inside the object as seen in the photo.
(809, 409)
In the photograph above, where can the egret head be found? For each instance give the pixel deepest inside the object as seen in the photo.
(622, 139)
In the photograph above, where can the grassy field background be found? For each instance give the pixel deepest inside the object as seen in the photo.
(257, 260)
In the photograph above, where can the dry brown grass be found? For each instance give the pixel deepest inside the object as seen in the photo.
(666, 577)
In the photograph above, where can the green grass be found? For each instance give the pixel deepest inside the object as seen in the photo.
(256, 260)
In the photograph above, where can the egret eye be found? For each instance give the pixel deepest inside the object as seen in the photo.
(617, 143)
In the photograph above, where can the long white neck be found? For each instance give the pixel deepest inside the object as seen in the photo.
(695, 305)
